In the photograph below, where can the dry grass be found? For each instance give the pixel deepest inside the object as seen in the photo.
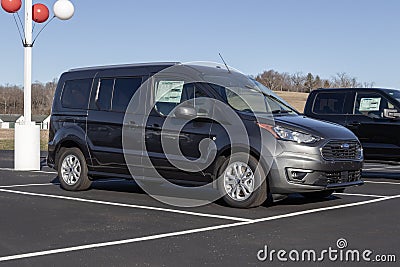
(7, 139)
(297, 100)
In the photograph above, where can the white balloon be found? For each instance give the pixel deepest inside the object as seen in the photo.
(63, 9)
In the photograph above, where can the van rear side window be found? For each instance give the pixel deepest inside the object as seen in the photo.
(124, 89)
(329, 103)
(76, 94)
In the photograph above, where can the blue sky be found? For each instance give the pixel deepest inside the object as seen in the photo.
(359, 37)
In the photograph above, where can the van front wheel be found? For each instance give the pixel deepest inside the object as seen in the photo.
(242, 181)
(72, 170)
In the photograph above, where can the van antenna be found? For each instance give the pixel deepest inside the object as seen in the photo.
(226, 65)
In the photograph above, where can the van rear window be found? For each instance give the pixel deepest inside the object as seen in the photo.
(76, 94)
(329, 103)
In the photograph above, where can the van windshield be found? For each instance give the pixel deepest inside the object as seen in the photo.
(254, 98)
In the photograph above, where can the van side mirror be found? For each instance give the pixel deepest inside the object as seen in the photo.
(391, 113)
(187, 113)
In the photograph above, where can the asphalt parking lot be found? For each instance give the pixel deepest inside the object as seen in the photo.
(116, 224)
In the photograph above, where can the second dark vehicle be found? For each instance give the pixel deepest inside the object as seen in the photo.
(372, 114)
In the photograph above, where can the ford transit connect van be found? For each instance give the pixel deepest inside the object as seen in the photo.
(98, 131)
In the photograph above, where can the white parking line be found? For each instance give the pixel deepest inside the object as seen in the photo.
(48, 184)
(373, 182)
(358, 195)
(128, 205)
(26, 185)
(8, 169)
(186, 232)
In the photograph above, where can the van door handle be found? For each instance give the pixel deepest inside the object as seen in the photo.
(130, 124)
(155, 126)
(354, 124)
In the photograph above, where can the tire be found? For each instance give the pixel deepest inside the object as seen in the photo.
(318, 195)
(72, 170)
(252, 191)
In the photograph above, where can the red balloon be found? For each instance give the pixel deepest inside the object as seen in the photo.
(40, 13)
(11, 6)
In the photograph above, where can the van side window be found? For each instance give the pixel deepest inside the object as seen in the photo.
(169, 94)
(124, 89)
(371, 104)
(76, 94)
(329, 103)
(105, 94)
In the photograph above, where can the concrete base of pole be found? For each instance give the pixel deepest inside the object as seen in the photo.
(27, 148)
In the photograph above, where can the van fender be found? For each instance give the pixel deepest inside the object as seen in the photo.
(72, 137)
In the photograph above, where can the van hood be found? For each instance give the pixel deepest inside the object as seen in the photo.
(326, 130)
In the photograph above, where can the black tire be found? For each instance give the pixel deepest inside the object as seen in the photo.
(318, 194)
(79, 183)
(258, 196)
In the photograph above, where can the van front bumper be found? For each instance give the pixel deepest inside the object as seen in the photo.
(293, 172)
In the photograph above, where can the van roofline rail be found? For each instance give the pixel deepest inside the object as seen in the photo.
(125, 66)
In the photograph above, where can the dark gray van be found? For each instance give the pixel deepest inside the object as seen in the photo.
(96, 132)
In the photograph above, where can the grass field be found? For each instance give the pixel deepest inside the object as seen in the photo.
(7, 139)
(297, 100)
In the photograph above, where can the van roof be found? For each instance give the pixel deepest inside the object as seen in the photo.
(125, 66)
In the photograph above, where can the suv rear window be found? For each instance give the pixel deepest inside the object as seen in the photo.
(76, 94)
(329, 103)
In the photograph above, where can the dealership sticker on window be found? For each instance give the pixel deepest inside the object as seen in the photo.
(169, 91)
(370, 104)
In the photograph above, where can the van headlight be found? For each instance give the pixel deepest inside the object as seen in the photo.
(290, 135)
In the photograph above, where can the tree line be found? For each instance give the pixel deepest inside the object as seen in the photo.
(299, 82)
(12, 98)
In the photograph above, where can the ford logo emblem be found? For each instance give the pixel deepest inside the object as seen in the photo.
(345, 146)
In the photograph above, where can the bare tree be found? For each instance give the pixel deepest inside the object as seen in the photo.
(342, 80)
(11, 98)
(298, 80)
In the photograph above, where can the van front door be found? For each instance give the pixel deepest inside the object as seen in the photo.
(165, 143)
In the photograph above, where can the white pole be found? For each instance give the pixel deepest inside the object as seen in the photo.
(27, 136)
(28, 63)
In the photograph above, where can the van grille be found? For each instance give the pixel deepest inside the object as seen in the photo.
(337, 178)
(342, 177)
(342, 150)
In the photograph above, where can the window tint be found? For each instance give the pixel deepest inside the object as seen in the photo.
(329, 103)
(76, 94)
(124, 89)
(371, 105)
(105, 94)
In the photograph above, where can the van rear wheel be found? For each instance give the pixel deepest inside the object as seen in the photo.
(72, 170)
(242, 181)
